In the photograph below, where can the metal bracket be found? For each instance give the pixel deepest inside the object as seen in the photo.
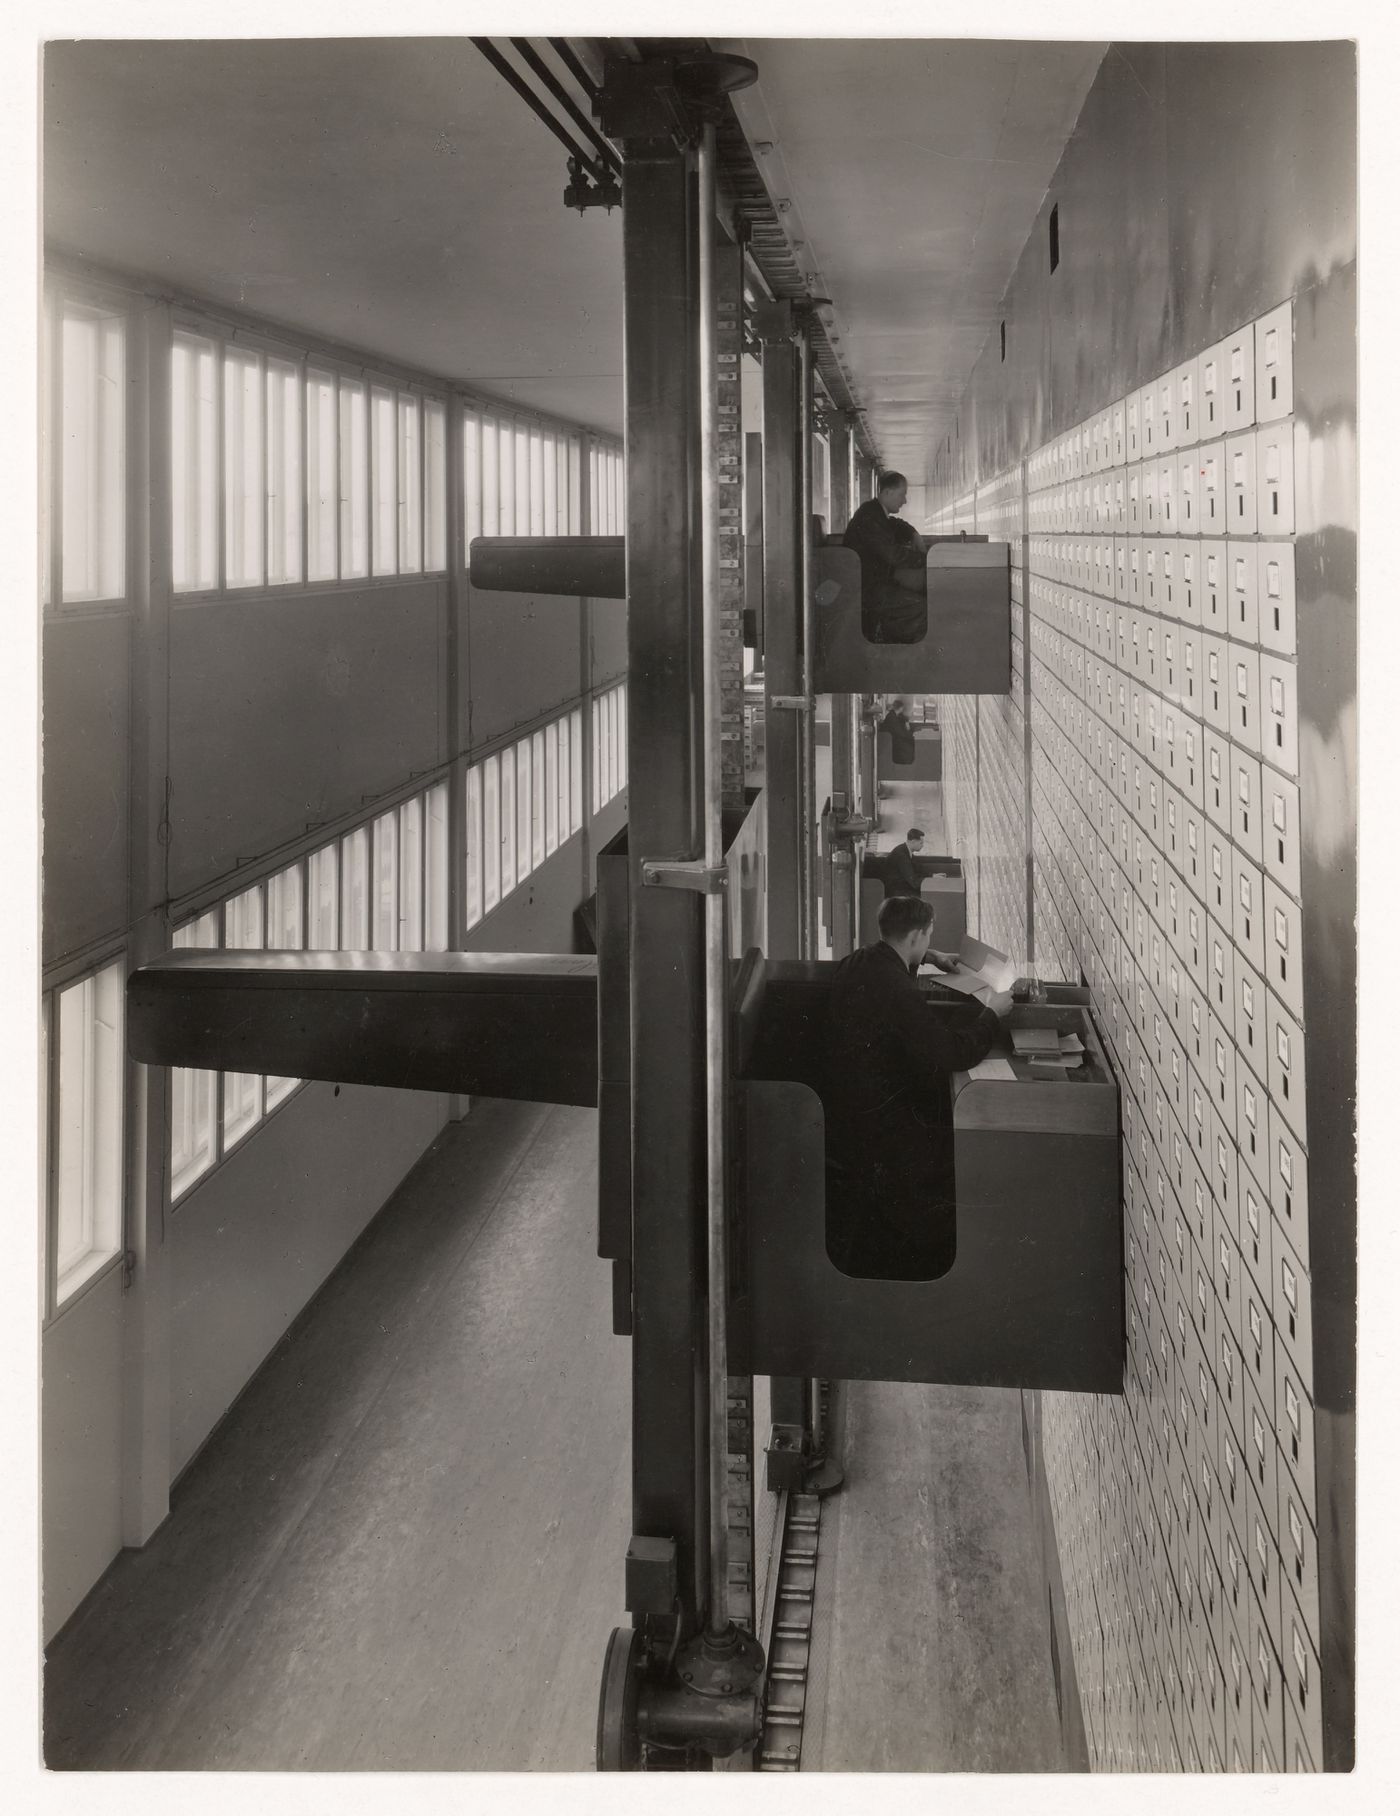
(684, 873)
(792, 703)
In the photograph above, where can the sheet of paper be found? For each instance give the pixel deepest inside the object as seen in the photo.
(993, 967)
(1071, 1043)
(967, 983)
(993, 1068)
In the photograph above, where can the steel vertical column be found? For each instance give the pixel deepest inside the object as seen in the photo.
(667, 936)
(782, 665)
(840, 433)
(807, 731)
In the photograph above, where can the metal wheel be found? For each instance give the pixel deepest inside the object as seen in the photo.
(618, 1749)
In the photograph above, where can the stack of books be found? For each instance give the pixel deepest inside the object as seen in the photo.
(1046, 1048)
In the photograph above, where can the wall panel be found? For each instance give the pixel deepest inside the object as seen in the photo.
(287, 712)
(523, 659)
(252, 1244)
(87, 680)
(1191, 706)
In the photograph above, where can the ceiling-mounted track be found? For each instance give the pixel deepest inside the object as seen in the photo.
(743, 187)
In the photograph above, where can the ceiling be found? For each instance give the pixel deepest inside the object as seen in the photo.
(395, 195)
(915, 169)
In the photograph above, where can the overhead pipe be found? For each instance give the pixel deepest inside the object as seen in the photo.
(503, 67)
(525, 50)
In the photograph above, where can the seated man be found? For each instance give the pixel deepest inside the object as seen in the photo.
(893, 577)
(900, 733)
(891, 1211)
(901, 872)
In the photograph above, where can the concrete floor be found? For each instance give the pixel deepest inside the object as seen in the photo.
(938, 1654)
(403, 1548)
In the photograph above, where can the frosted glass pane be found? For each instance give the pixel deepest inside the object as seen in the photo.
(551, 786)
(322, 482)
(194, 1099)
(323, 900)
(194, 478)
(283, 474)
(243, 931)
(243, 470)
(243, 921)
(93, 456)
(505, 477)
(88, 1209)
(522, 480)
(384, 482)
(562, 742)
(471, 475)
(410, 487)
(354, 891)
(537, 801)
(354, 481)
(436, 871)
(285, 905)
(435, 486)
(473, 843)
(507, 763)
(549, 513)
(576, 770)
(491, 834)
(537, 482)
(525, 859)
(490, 477)
(575, 488)
(384, 895)
(411, 875)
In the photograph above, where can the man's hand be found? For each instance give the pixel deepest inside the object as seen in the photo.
(999, 1002)
(945, 961)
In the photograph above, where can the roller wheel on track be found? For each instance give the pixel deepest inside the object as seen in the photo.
(618, 1748)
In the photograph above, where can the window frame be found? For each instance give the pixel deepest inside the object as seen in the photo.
(100, 301)
(50, 1034)
(349, 377)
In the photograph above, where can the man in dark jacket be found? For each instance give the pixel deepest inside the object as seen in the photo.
(901, 872)
(900, 733)
(893, 576)
(891, 1210)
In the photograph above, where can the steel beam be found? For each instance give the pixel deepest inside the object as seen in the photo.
(586, 567)
(666, 964)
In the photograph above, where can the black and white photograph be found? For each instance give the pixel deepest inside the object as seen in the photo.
(686, 1002)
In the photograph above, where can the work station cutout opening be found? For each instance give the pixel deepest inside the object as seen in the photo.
(1029, 1289)
(898, 612)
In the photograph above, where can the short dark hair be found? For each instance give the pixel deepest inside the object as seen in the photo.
(915, 832)
(891, 479)
(901, 915)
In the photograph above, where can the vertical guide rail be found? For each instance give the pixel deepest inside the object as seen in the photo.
(807, 730)
(716, 918)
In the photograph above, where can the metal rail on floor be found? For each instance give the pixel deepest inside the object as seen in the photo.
(787, 1631)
